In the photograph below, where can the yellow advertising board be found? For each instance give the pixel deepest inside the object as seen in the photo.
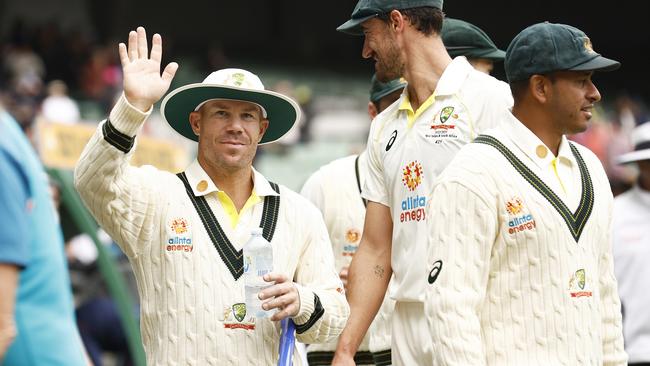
(60, 146)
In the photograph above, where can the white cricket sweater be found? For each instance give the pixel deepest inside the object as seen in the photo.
(508, 283)
(334, 190)
(191, 304)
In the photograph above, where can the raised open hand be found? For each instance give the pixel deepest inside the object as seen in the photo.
(143, 83)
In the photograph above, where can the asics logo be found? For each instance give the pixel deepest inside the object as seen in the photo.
(393, 136)
(433, 275)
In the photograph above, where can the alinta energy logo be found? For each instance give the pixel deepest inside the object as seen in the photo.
(352, 237)
(413, 207)
(179, 242)
(412, 175)
(520, 221)
(514, 206)
(179, 225)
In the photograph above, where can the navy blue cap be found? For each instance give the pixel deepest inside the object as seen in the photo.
(367, 9)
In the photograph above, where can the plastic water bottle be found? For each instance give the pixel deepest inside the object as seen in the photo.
(258, 261)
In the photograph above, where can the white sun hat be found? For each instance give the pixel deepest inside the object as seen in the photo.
(232, 84)
(641, 140)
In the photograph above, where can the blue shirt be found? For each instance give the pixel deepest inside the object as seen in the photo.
(31, 239)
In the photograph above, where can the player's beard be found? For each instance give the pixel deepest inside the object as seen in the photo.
(389, 64)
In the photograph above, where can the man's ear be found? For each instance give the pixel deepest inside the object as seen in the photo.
(539, 88)
(396, 20)
(264, 125)
(372, 110)
(195, 117)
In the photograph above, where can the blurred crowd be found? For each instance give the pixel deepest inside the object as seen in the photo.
(45, 70)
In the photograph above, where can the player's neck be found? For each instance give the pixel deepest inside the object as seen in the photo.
(426, 61)
(539, 124)
(236, 183)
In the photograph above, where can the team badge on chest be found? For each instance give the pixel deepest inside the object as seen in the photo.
(444, 125)
(580, 284)
(236, 317)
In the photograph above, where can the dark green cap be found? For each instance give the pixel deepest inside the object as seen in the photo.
(379, 90)
(367, 9)
(547, 47)
(465, 39)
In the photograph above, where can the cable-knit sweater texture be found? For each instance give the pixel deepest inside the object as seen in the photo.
(191, 310)
(510, 285)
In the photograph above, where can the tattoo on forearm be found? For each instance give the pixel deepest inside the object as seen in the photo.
(379, 271)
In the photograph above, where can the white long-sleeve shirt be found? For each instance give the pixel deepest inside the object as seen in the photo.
(631, 247)
(191, 301)
(516, 277)
(334, 189)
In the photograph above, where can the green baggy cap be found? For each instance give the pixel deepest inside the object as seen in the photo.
(465, 39)
(367, 9)
(379, 90)
(547, 47)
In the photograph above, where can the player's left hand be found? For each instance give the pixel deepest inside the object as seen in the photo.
(283, 295)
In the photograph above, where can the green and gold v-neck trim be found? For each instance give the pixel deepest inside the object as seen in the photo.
(231, 257)
(575, 221)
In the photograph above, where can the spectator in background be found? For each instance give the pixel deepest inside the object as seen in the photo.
(608, 140)
(292, 137)
(97, 315)
(21, 60)
(37, 325)
(101, 77)
(465, 39)
(621, 176)
(58, 106)
(631, 248)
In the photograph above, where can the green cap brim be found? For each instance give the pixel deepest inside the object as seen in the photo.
(598, 63)
(353, 26)
(473, 52)
(380, 90)
(494, 55)
(282, 112)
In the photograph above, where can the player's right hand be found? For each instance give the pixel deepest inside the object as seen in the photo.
(143, 83)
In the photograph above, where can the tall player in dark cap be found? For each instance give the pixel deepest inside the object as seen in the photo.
(446, 105)
(520, 255)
